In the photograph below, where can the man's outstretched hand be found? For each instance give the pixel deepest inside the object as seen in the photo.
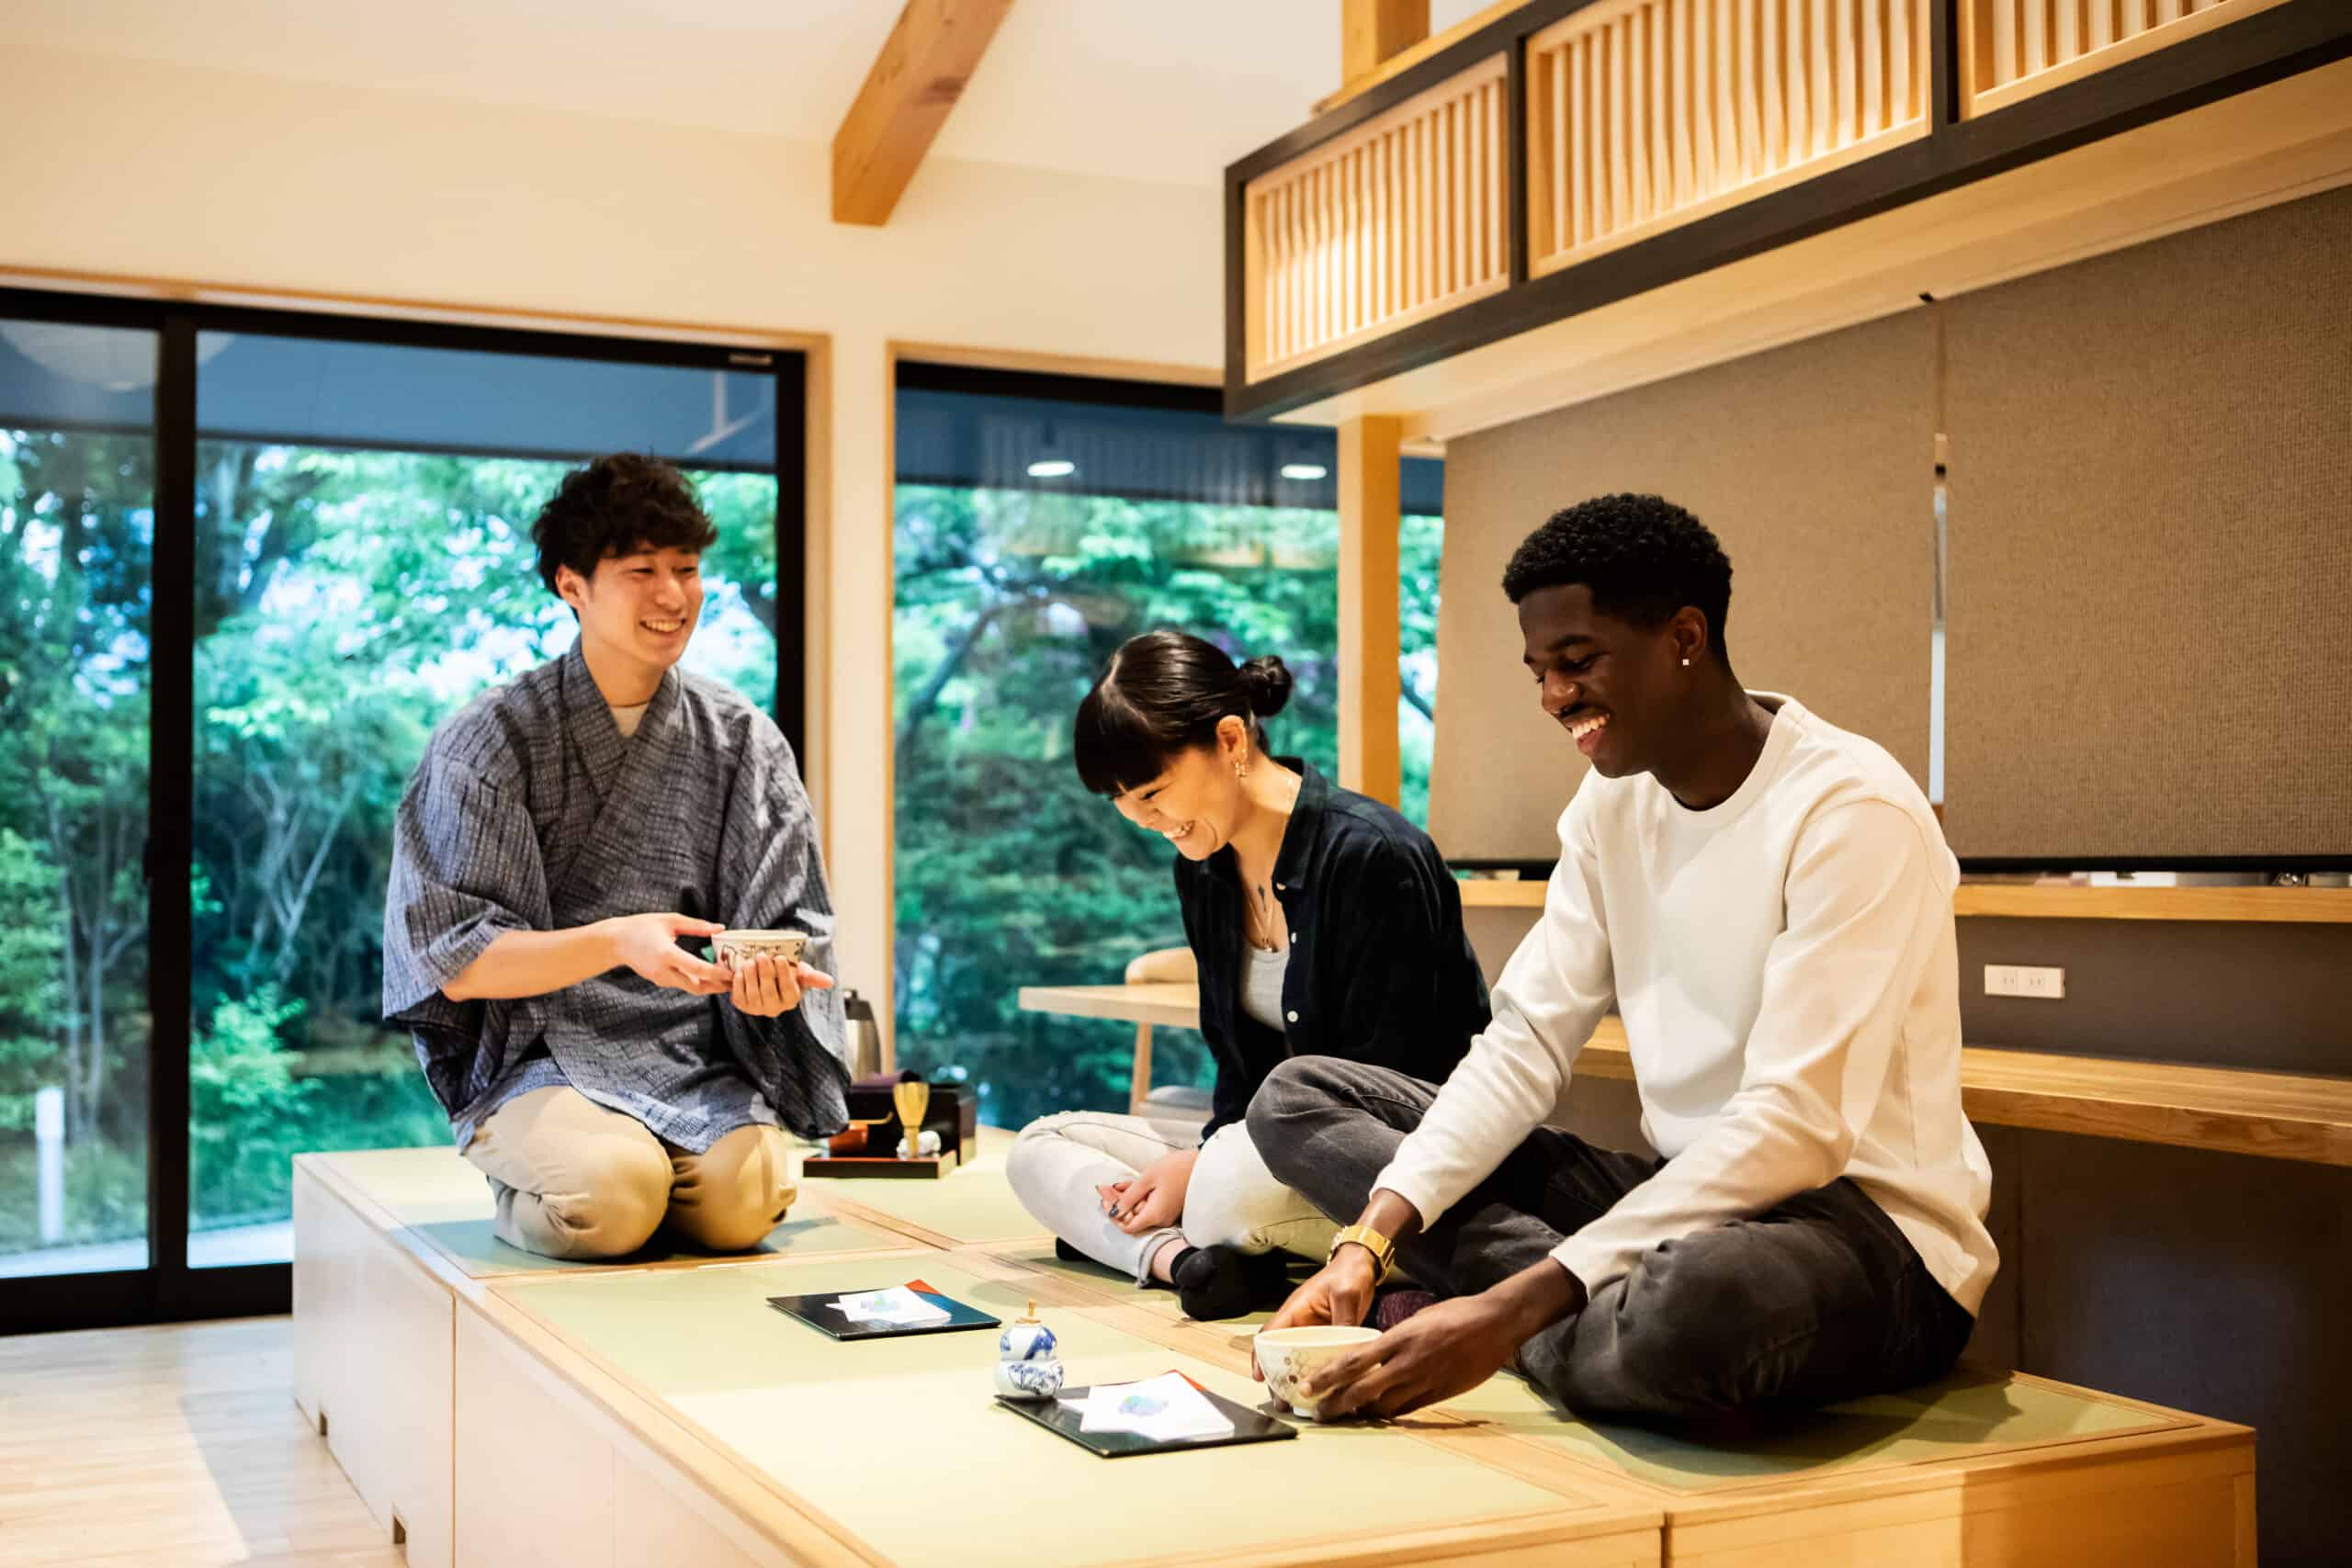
(1446, 1348)
(1340, 1291)
(766, 986)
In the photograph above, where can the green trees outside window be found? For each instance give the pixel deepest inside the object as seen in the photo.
(76, 537)
(1008, 873)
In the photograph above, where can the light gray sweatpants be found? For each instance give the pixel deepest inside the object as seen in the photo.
(1232, 1200)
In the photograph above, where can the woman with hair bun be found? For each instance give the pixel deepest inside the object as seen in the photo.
(1322, 923)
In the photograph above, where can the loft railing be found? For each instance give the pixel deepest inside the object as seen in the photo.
(2014, 49)
(1399, 220)
(1643, 114)
(1484, 190)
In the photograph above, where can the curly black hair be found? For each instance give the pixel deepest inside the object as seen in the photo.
(1642, 556)
(618, 505)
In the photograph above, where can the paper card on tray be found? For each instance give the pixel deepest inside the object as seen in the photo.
(1162, 1409)
(898, 1306)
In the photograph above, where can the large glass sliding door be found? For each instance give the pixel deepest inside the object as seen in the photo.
(350, 561)
(77, 499)
(1039, 523)
(365, 567)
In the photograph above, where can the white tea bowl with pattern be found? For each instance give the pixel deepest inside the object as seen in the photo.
(736, 949)
(1290, 1356)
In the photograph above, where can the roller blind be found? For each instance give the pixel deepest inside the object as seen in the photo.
(1814, 464)
(2150, 635)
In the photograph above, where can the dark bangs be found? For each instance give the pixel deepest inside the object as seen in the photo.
(1163, 693)
(1117, 747)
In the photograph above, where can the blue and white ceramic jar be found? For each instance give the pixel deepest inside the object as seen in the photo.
(1027, 1340)
(1025, 1367)
(1039, 1379)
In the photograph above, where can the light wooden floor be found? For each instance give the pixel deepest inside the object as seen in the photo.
(176, 1447)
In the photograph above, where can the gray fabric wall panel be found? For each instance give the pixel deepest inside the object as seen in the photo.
(1607, 1113)
(2151, 549)
(2218, 993)
(1495, 935)
(1813, 463)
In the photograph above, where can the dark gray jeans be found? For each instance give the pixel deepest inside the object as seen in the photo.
(1817, 1300)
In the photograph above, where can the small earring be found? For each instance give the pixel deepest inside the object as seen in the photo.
(1686, 664)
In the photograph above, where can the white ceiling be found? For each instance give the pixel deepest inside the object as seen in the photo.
(1165, 90)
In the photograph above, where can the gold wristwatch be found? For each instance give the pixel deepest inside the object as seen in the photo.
(1383, 1250)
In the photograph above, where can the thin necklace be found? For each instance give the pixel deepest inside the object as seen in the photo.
(1257, 930)
(1258, 926)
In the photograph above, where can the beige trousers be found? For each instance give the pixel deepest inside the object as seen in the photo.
(573, 1179)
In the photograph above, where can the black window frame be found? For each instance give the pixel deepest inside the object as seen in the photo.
(168, 1290)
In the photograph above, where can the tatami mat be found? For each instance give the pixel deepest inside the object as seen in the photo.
(447, 1202)
(1964, 1416)
(971, 1204)
(866, 1431)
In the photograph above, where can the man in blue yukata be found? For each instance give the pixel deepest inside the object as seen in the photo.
(568, 843)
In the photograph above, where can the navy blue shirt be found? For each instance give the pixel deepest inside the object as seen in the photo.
(1380, 971)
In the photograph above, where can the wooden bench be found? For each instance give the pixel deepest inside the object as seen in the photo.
(499, 1409)
(386, 1243)
(1984, 1467)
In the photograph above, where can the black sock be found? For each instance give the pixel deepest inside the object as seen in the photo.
(1220, 1281)
(1067, 1253)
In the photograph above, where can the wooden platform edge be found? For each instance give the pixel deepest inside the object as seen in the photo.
(418, 1249)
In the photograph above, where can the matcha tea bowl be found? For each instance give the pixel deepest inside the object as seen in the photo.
(1289, 1357)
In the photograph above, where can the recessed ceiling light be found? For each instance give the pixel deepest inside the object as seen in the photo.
(1052, 469)
(1305, 471)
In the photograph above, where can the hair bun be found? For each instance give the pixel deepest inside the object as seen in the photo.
(1269, 683)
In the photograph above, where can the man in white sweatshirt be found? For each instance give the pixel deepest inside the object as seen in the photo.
(1767, 900)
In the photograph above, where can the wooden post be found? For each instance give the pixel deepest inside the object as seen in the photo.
(1372, 30)
(1370, 482)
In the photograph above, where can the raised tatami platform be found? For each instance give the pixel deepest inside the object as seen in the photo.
(497, 1408)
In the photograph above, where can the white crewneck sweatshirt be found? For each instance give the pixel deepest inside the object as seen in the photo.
(1787, 972)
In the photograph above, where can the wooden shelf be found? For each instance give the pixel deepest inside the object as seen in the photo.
(1492, 893)
(2056, 901)
(2232, 1110)
(2067, 902)
(2228, 1110)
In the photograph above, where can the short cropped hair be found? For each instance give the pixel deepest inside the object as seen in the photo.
(1643, 558)
(618, 505)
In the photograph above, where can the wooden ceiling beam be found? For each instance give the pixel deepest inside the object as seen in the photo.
(1371, 32)
(915, 81)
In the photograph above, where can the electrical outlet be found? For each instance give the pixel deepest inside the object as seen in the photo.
(2024, 980)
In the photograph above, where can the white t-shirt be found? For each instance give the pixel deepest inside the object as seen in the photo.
(1787, 971)
(627, 719)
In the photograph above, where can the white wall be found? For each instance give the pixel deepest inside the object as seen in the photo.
(154, 171)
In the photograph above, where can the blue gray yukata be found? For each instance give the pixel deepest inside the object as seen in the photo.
(531, 812)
